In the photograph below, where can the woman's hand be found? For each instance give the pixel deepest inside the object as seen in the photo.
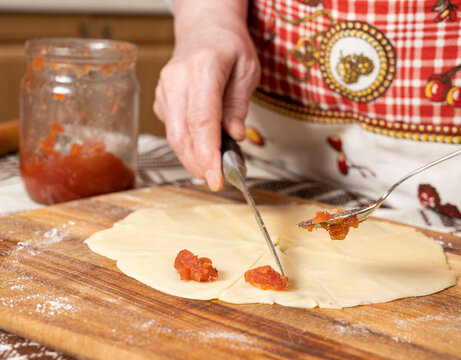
(207, 84)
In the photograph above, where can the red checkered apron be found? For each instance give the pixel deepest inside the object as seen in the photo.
(358, 93)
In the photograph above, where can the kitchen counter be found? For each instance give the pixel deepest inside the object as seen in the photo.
(144, 7)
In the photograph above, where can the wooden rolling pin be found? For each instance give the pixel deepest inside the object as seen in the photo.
(9, 136)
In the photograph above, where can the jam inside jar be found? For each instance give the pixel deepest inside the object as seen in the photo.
(79, 110)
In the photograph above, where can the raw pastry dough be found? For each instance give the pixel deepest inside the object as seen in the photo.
(376, 263)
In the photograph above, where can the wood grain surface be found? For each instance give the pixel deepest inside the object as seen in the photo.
(55, 291)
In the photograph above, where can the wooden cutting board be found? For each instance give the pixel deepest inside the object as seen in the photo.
(54, 290)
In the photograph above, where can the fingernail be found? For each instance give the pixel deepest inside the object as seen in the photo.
(211, 180)
(238, 129)
(240, 133)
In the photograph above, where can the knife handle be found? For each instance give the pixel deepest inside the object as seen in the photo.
(228, 143)
(233, 163)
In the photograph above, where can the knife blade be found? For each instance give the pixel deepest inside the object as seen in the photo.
(234, 170)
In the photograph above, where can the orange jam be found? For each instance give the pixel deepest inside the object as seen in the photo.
(319, 217)
(191, 267)
(51, 177)
(339, 229)
(266, 278)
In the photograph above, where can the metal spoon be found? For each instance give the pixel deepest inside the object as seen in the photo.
(363, 212)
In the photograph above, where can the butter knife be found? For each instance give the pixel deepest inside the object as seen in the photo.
(234, 170)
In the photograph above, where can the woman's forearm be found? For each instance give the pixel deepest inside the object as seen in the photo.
(189, 14)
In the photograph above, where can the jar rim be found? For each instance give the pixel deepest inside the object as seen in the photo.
(80, 49)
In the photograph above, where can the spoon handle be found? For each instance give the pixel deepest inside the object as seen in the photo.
(417, 171)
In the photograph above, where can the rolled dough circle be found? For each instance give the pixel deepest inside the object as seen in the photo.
(377, 262)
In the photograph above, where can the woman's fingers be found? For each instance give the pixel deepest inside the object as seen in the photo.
(159, 106)
(190, 103)
(242, 83)
(204, 114)
(204, 122)
(171, 108)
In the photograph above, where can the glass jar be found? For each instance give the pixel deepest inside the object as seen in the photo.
(79, 113)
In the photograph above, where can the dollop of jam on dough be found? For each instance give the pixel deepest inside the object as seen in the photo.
(191, 267)
(266, 278)
(339, 229)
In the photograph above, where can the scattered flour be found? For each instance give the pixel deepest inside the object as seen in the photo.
(45, 239)
(152, 325)
(234, 339)
(54, 236)
(403, 340)
(17, 287)
(225, 335)
(20, 245)
(13, 347)
(4, 348)
(343, 327)
(148, 324)
(47, 305)
(409, 323)
(55, 306)
(17, 357)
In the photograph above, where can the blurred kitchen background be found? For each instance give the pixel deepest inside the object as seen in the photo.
(146, 23)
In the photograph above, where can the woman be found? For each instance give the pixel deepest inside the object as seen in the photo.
(355, 93)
